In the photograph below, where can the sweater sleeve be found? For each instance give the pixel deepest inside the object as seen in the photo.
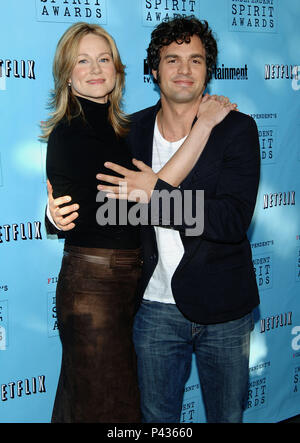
(61, 163)
(68, 170)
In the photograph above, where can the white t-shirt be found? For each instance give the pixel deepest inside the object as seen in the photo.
(169, 244)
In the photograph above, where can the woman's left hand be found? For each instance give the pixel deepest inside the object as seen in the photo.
(213, 109)
(133, 186)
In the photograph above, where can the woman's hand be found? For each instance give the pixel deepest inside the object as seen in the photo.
(214, 108)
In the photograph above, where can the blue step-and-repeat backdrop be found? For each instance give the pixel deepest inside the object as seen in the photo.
(258, 68)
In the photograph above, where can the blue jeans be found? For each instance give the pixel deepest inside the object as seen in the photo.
(165, 341)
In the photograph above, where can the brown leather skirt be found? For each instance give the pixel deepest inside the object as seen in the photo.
(96, 301)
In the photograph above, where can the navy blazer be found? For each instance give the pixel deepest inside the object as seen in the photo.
(215, 280)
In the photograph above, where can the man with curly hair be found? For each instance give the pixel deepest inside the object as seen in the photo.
(198, 292)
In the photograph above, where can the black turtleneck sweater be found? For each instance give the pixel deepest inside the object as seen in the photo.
(76, 153)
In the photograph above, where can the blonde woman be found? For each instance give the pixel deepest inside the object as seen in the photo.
(101, 265)
(96, 291)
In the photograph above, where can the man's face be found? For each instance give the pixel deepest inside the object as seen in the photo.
(182, 71)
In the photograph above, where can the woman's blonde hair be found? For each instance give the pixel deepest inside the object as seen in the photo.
(63, 102)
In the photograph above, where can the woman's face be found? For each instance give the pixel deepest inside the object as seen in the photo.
(94, 73)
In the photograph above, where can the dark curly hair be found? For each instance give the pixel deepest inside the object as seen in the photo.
(180, 30)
